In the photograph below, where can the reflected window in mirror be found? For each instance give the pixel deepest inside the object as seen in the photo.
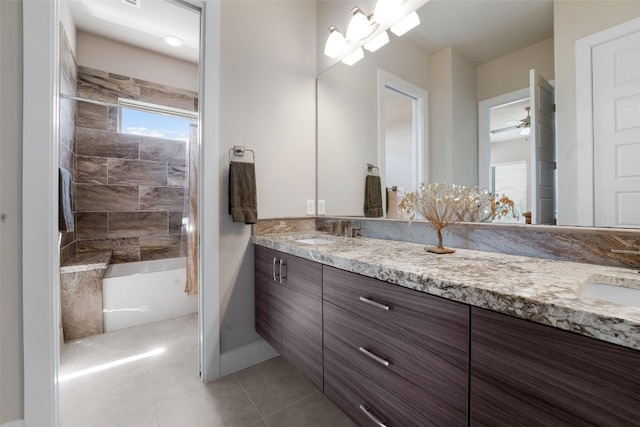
(510, 179)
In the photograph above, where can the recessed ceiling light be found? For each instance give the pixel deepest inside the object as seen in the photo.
(173, 41)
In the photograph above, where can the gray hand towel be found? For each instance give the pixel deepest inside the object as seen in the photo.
(373, 197)
(65, 203)
(243, 200)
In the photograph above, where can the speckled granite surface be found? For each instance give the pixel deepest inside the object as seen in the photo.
(87, 261)
(541, 290)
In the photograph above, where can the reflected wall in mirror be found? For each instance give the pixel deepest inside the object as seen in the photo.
(463, 53)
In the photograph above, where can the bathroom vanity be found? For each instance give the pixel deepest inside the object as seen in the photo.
(396, 336)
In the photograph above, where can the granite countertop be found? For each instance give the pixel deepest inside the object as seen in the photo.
(540, 290)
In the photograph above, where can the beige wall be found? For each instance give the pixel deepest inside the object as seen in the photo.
(574, 20)
(11, 349)
(511, 72)
(453, 119)
(103, 54)
(267, 104)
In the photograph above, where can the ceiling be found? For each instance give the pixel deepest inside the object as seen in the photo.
(506, 116)
(143, 26)
(485, 30)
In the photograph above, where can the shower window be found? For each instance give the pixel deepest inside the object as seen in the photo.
(159, 121)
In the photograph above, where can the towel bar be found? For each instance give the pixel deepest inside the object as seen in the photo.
(239, 151)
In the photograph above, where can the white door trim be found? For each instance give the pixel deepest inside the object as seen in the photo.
(40, 223)
(484, 131)
(40, 258)
(420, 124)
(584, 115)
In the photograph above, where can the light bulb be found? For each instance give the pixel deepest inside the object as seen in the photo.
(386, 11)
(405, 24)
(354, 56)
(377, 42)
(359, 26)
(336, 43)
(173, 41)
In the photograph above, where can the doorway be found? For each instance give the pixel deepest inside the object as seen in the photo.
(40, 242)
(402, 144)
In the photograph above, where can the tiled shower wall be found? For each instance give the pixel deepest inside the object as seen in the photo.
(67, 155)
(129, 189)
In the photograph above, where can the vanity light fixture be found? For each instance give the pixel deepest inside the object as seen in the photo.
(173, 41)
(354, 56)
(371, 32)
(405, 24)
(359, 27)
(336, 43)
(377, 42)
(387, 11)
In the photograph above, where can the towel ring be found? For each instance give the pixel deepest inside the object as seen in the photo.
(371, 167)
(240, 151)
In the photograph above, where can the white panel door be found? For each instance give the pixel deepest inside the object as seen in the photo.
(616, 128)
(543, 152)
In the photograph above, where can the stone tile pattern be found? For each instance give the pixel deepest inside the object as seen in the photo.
(66, 153)
(284, 225)
(563, 243)
(129, 189)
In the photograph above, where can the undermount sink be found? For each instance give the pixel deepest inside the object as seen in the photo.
(619, 294)
(315, 241)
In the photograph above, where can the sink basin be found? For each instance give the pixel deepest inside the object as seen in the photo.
(611, 293)
(315, 241)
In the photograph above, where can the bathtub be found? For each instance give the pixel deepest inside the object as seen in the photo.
(136, 293)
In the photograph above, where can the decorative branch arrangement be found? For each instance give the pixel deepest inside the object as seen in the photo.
(443, 205)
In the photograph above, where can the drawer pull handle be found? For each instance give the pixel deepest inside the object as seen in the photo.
(274, 269)
(378, 359)
(372, 417)
(282, 262)
(375, 304)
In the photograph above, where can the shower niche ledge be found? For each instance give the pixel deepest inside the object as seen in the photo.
(81, 294)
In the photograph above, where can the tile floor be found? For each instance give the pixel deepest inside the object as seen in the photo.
(149, 378)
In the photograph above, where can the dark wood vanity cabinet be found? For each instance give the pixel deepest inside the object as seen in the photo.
(288, 307)
(524, 373)
(393, 355)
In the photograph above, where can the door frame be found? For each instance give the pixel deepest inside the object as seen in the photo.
(584, 115)
(484, 131)
(419, 125)
(41, 260)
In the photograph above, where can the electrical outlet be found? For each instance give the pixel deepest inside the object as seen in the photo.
(321, 210)
(311, 207)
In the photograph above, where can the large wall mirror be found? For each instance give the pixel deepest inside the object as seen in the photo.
(463, 52)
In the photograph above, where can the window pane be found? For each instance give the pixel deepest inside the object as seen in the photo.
(136, 122)
(511, 180)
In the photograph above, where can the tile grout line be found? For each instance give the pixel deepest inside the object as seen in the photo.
(293, 403)
(250, 400)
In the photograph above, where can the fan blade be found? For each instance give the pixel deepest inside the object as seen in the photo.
(493, 132)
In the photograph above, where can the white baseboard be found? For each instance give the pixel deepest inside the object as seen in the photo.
(14, 423)
(245, 356)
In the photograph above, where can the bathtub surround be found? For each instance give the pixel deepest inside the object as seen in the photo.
(130, 189)
(81, 294)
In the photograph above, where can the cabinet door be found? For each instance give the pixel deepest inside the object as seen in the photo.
(302, 317)
(524, 373)
(268, 307)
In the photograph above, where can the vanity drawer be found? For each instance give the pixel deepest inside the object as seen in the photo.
(355, 393)
(432, 383)
(434, 322)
